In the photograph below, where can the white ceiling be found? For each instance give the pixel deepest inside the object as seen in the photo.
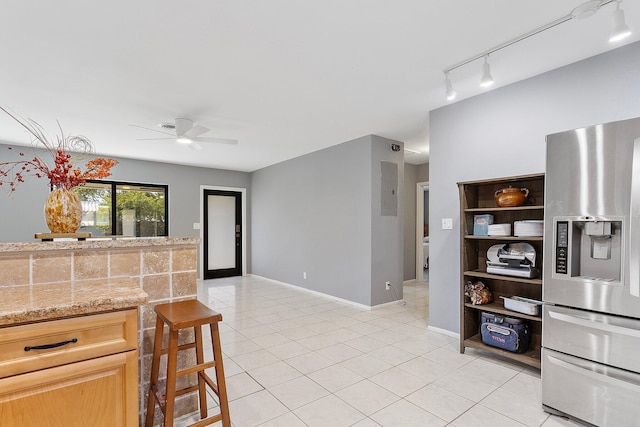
(284, 77)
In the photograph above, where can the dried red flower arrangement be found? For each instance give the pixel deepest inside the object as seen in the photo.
(63, 174)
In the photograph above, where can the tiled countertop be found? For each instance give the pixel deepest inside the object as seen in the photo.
(97, 243)
(26, 303)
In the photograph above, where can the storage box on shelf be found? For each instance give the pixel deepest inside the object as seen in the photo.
(478, 198)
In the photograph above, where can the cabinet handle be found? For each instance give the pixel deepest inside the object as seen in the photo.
(54, 345)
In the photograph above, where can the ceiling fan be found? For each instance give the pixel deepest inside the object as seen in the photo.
(183, 131)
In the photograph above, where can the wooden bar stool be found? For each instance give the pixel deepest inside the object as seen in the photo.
(178, 316)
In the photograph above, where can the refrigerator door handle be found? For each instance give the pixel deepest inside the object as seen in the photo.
(634, 249)
(594, 324)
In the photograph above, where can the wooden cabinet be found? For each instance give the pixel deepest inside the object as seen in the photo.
(90, 379)
(478, 198)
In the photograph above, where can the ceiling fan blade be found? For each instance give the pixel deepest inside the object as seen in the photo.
(153, 130)
(155, 139)
(183, 126)
(197, 130)
(217, 140)
(195, 146)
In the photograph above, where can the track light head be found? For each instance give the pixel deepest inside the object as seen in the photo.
(486, 79)
(619, 28)
(450, 92)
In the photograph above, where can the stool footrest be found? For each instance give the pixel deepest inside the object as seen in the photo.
(180, 347)
(161, 399)
(212, 419)
(186, 390)
(196, 368)
(211, 384)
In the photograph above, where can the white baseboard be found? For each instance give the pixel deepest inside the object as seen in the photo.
(444, 332)
(345, 301)
(398, 301)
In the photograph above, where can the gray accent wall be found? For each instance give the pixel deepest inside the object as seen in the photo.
(320, 214)
(502, 133)
(22, 212)
(409, 232)
(386, 231)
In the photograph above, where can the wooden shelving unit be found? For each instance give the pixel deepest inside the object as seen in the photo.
(477, 198)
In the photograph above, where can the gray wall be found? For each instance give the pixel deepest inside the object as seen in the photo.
(502, 133)
(425, 208)
(313, 214)
(386, 231)
(423, 173)
(22, 213)
(409, 232)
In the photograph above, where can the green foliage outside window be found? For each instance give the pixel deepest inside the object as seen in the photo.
(140, 210)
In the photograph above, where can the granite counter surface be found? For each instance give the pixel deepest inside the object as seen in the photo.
(26, 303)
(97, 243)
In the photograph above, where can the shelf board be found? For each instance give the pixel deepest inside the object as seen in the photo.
(499, 209)
(496, 307)
(505, 179)
(506, 238)
(531, 357)
(485, 275)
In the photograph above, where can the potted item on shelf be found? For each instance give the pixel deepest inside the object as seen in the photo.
(511, 197)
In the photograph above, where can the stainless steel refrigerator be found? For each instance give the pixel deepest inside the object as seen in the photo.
(591, 274)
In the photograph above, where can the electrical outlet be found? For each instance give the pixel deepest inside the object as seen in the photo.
(387, 286)
(304, 275)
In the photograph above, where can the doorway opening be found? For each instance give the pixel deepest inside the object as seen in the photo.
(422, 231)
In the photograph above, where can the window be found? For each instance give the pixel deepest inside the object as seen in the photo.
(131, 209)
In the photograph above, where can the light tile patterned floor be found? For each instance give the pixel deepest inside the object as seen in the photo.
(295, 358)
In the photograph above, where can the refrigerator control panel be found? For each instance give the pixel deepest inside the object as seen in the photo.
(562, 246)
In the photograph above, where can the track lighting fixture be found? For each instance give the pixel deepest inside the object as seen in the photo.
(619, 31)
(619, 28)
(486, 79)
(450, 92)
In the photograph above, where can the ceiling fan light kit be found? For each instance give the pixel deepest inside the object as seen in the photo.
(183, 131)
(619, 31)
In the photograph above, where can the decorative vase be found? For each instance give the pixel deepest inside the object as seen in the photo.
(511, 197)
(63, 211)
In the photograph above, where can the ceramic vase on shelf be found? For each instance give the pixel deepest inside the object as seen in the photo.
(63, 211)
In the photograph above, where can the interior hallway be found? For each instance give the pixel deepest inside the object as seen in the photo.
(294, 358)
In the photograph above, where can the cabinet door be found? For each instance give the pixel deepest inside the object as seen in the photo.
(97, 392)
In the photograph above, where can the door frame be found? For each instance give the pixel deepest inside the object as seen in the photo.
(420, 228)
(243, 196)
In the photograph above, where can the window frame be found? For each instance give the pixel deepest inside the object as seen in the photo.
(114, 214)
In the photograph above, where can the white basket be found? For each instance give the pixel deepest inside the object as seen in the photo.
(523, 305)
(528, 228)
(499, 230)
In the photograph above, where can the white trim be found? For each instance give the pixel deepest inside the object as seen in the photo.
(398, 301)
(244, 224)
(331, 297)
(420, 227)
(443, 332)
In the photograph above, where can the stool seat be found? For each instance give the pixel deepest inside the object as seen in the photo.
(179, 316)
(186, 314)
